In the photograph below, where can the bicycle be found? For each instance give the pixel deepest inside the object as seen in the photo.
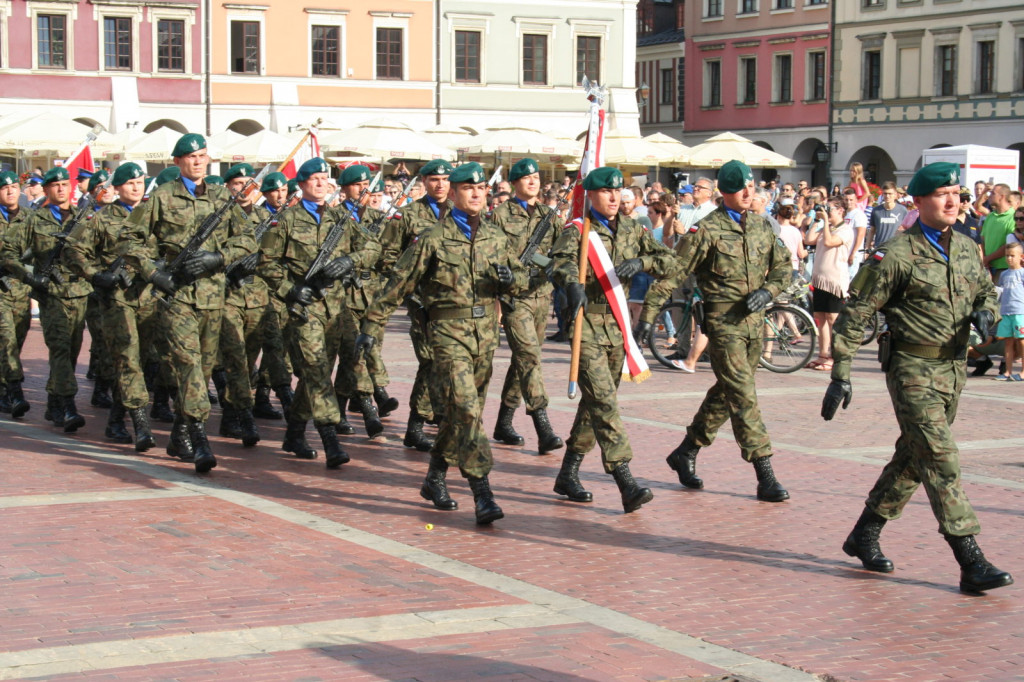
(790, 337)
(873, 327)
(669, 338)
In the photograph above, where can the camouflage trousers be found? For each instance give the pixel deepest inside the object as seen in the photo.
(362, 376)
(524, 329)
(733, 397)
(240, 344)
(129, 329)
(597, 419)
(99, 359)
(925, 395)
(275, 365)
(15, 320)
(426, 398)
(63, 321)
(192, 336)
(311, 345)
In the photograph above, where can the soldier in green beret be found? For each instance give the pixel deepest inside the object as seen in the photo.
(101, 365)
(214, 180)
(931, 284)
(527, 318)
(15, 306)
(632, 249)
(191, 315)
(168, 174)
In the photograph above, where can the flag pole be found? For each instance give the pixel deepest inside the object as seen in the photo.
(577, 332)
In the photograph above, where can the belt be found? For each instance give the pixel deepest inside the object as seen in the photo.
(72, 278)
(722, 306)
(473, 313)
(598, 309)
(930, 352)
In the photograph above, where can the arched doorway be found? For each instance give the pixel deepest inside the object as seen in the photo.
(767, 174)
(92, 123)
(811, 158)
(165, 123)
(245, 126)
(878, 165)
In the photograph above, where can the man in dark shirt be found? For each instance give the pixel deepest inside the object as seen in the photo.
(885, 218)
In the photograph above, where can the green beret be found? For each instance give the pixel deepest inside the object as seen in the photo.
(97, 179)
(273, 181)
(239, 170)
(355, 173)
(604, 177)
(523, 167)
(437, 167)
(734, 176)
(192, 142)
(213, 180)
(932, 177)
(128, 171)
(8, 178)
(293, 186)
(377, 187)
(468, 172)
(167, 175)
(314, 165)
(56, 174)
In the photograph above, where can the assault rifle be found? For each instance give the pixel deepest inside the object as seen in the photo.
(243, 267)
(529, 254)
(374, 228)
(49, 269)
(119, 271)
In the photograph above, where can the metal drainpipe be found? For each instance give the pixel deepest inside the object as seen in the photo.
(831, 87)
(207, 40)
(437, 62)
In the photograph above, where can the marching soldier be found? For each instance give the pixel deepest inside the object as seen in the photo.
(632, 249)
(193, 299)
(101, 365)
(15, 306)
(460, 266)
(526, 320)
(930, 283)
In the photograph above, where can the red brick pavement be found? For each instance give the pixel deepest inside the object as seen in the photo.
(765, 580)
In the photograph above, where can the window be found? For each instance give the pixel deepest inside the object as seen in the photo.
(947, 70)
(713, 83)
(748, 72)
(817, 2)
(816, 75)
(326, 51)
(117, 43)
(51, 40)
(714, 8)
(535, 59)
(668, 94)
(245, 47)
(748, 6)
(874, 3)
(170, 45)
(1020, 64)
(389, 53)
(986, 66)
(872, 86)
(783, 78)
(783, 4)
(467, 56)
(588, 58)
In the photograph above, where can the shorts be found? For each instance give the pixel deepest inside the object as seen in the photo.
(638, 287)
(1010, 327)
(824, 302)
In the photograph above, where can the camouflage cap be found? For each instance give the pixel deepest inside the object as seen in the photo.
(128, 171)
(605, 177)
(471, 172)
(932, 177)
(734, 176)
(213, 180)
(56, 174)
(191, 142)
(8, 178)
(437, 167)
(314, 165)
(273, 181)
(97, 179)
(523, 167)
(167, 175)
(239, 170)
(355, 173)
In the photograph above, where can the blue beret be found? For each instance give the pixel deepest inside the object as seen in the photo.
(734, 176)
(523, 167)
(932, 177)
(314, 165)
(83, 174)
(191, 142)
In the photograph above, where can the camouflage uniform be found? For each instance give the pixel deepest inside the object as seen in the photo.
(275, 365)
(927, 304)
(15, 312)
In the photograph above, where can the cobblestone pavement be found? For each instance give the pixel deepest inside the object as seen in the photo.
(119, 566)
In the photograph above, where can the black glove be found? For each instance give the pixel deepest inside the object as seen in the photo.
(983, 320)
(301, 294)
(758, 300)
(641, 331)
(243, 267)
(164, 281)
(628, 268)
(837, 391)
(364, 342)
(337, 268)
(203, 262)
(576, 298)
(104, 281)
(503, 276)
(40, 283)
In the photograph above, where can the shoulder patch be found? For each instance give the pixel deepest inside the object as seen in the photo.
(778, 240)
(877, 256)
(863, 282)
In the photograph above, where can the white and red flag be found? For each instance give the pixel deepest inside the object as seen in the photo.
(308, 148)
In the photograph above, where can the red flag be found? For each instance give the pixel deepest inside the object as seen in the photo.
(81, 161)
(308, 149)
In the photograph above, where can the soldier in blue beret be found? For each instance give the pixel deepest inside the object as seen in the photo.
(83, 177)
(15, 307)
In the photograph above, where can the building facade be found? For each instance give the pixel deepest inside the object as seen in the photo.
(660, 59)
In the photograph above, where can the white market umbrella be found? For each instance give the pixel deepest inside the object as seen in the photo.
(519, 142)
(384, 139)
(265, 146)
(625, 149)
(447, 135)
(668, 143)
(716, 151)
(45, 131)
(217, 142)
(155, 146)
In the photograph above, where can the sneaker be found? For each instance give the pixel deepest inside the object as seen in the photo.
(1002, 377)
(1014, 377)
(982, 365)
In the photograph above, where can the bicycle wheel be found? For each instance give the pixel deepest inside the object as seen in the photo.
(872, 327)
(673, 315)
(789, 338)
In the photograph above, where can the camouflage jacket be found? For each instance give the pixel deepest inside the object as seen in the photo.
(161, 227)
(96, 244)
(254, 292)
(291, 246)
(36, 233)
(18, 289)
(363, 283)
(398, 234)
(519, 225)
(926, 300)
(630, 240)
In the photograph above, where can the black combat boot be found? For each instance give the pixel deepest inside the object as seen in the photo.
(976, 573)
(161, 410)
(262, 407)
(370, 419)
(414, 436)
(101, 394)
(201, 446)
(230, 426)
(54, 412)
(285, 396)
(19, 406)
(385, 403)
(180, 445)
(332, 448)
(487, 510)
(633, 496)
(140, 424)
(295, 440)
(115, 430)
(353, 404)
(863, 542)
(504, 432)
(71, 420)
(343, 428)
(434, 487)
(568, 481)
(5, 399)
(247, 426)
(768, 489)
(547, 440)
(683, 460)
